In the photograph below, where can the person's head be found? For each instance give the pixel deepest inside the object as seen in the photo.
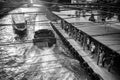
(92, 43)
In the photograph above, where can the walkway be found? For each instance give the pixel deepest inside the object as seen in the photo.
(107, 34)
(101, 71)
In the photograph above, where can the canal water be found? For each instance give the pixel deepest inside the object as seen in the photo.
(21, 60)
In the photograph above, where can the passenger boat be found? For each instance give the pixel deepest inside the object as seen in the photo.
(19, 25)
(44, 38)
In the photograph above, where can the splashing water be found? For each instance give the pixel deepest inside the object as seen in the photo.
(28, 61)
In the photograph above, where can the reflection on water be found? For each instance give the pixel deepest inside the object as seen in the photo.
(27, 62)
(11, 56)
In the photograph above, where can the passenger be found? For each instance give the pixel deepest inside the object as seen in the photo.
(103, 20)
(99, 52)
(82, 40)
(84, 13)
(92, 49)
(69, 31)
(78, 39)
(80, 13)
(101, 58)
(67, 27)
(76, 35)
(77, 13)
(105, 59)
(62, 24)
(88, 44)
(92, 18)
(72, 32)
(111, 63)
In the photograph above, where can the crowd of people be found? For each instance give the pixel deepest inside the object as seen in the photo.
(75, 54)
(105, 57)
(92, 18)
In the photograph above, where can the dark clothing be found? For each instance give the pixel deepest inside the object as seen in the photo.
(92, 18)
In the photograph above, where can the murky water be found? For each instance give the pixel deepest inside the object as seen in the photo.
(27, 62)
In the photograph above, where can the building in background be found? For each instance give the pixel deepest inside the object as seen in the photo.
(78, 1)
